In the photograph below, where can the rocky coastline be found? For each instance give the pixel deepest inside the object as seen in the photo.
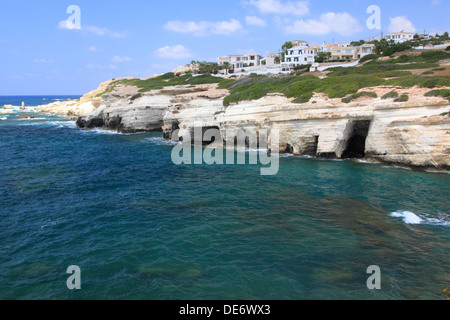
(414, 134)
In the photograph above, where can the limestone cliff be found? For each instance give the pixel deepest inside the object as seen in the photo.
(87, 103)
(414, 133)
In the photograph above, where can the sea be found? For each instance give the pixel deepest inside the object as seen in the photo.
(138, 226)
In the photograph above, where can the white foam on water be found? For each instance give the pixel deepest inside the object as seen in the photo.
(40, 122)
(161, 141)
(408, 217)
(4, 118)
(101, 131)
(287, 155)
(425, 219)
(364, 161)
(66, 124)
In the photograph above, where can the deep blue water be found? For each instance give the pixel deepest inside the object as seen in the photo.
(140, 227)
(32, 101)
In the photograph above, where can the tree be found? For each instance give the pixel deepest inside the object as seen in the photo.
(226, 65)
(277, 60)
(208, 67)
(285, 47)
(323, 57)
(357, 43)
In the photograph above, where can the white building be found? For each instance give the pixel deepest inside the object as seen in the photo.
(298, 56)
(400, 37)
(271, 59)
(241, 61)
(300, 43)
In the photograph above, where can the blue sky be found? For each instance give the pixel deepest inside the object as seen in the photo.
(39, 55)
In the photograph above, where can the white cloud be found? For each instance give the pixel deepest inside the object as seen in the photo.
(96, 66)
(65, 24)
(43, 61)
(94, 49)
(204, 28)
(401, 24)
(121, 59)
(297, 8)
(255, 21)
(341, 23)
(174, 52)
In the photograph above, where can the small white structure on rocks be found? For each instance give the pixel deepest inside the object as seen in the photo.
(298, 56)
(400, 37)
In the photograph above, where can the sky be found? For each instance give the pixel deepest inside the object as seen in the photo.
(44, 50)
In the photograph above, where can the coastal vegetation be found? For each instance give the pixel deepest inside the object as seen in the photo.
(339, 82)
(359, 95)
(445, 93)
(390, 95)
(342, 82)
(402, 98)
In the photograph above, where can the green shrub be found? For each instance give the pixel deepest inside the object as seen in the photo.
(402, 98)
(432, 82)
(166, 76)
(448, 48)
(206, 79)
(427, 57)
(302, 86)
(304, 98)
(390, 95)
(427, 73)
(358, 95)
(302, 67)
(445, 93)
(414, 80)
(434, 56)
(346, 100)
(136, 96)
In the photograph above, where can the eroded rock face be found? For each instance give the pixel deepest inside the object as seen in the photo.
(415, 133)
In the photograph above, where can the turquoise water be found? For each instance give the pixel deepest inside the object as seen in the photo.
(140, 227)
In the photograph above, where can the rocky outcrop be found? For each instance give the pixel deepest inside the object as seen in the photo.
(126, 110)
(75, 108)
(414, 133)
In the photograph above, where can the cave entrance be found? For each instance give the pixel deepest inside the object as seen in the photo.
(356, 145)
(169, 135)
(209, 140)
(311, 147)
(175, 126)
(289, 149)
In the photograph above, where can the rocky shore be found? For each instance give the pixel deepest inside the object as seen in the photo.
(415, 133)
